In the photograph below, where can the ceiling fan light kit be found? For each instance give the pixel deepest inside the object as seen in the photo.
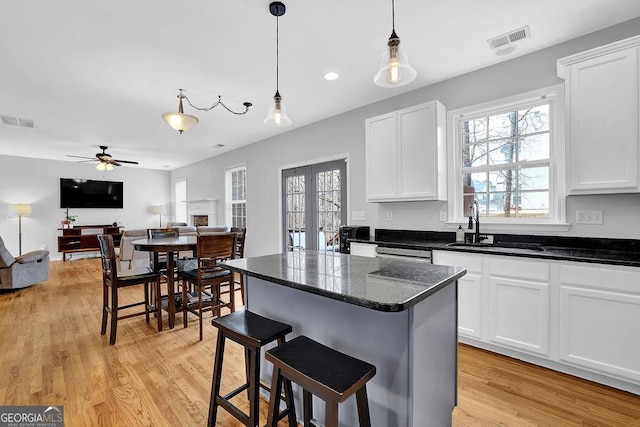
(183, 122)
(394, 69)
(277, 114)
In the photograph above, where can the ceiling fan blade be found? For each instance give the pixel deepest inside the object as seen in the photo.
(127, 161)
(81, 157)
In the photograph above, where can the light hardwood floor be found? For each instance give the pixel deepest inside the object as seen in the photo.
(52, 353)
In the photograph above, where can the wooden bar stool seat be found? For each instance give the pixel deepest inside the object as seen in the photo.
(252, 331)
(320, 371)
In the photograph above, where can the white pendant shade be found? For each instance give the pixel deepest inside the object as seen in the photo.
(277, 115)
(394, 69)
(180, 121)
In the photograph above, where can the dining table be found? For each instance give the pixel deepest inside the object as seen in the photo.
(170, 245)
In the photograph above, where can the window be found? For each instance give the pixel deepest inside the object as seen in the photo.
(181, 200)
(508, 157)
(236, 196)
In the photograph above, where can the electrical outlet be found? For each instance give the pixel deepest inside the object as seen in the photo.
(357, 215)
(389, 216)
(443, 216)
(589, 217)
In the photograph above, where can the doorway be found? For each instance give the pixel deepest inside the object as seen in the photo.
(314, 205)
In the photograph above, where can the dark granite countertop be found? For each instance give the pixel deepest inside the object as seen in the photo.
(375, 283)
(580, 249)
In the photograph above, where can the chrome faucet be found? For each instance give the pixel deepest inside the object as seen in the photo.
(476, 205)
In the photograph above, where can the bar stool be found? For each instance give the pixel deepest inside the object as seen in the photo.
(253, 332)
(319, 370)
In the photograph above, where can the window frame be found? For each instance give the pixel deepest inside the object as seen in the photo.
(181, 203)
(229, 202)
(557, 169)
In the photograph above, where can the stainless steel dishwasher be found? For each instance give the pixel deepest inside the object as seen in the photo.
(420, 255)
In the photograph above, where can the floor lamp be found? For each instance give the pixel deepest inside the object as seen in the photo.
(21, 209)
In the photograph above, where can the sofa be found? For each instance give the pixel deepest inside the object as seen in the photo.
(23, 271)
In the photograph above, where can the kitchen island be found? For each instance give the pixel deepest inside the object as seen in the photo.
(398, 315)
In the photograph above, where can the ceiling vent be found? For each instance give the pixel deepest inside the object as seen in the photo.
(504, 44)
(16, 121)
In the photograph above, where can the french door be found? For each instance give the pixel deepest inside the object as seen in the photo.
(314, 205)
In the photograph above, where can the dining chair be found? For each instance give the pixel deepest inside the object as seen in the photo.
(159, 260)
(238, 279)
(113, 280)
(206, 280)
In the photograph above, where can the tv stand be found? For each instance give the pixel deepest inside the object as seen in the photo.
(84, 238)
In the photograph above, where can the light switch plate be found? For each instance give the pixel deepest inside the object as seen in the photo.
(357, 216)
(443, 216)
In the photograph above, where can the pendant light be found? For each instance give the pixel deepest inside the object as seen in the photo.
(183, 122)
(394, 67)
(277, 115)
(180, 121)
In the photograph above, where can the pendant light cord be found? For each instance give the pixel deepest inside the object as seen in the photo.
(393, 15)
(277, 53)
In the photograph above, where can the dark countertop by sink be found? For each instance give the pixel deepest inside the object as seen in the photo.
(375, 283)
(580, 249)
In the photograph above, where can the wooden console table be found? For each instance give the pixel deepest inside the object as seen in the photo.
(77, 239)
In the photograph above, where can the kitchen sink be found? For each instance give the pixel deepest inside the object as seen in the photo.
(505, 245)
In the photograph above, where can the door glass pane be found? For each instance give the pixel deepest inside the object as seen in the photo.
(328, 196)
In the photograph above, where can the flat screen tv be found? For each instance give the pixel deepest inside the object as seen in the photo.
(87, 193)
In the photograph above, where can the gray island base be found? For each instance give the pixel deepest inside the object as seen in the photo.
(399, 315)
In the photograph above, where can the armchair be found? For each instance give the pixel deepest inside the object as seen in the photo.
(26, 270)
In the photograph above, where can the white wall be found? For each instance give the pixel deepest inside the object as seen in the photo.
(37, 182)
(345, 134)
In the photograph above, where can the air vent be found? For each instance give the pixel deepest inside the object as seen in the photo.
(16, 121)
(503, 41)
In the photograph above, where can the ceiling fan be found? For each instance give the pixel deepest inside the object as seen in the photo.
(104, 159)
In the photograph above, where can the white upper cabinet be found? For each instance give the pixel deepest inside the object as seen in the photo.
(406, 154)
(602, 89)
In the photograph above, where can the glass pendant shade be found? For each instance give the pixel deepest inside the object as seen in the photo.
(180, 121)
(277, 115)
(394, 66)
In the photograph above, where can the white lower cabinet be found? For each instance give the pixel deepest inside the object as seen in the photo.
(519, 304)
(579, 318)
(600, 319)
(363, 249)
(469, 291)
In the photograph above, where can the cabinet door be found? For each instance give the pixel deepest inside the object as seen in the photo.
(604, 123)
(519, 304)
(418, 166)
(363, 249)
(600, 320)
(381, 157)
(469, 291)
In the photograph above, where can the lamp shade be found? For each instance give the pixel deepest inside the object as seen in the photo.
(102, 166)
(157, 209)
(277, 115)
(394, 69)
(21, 209)
(180, 121)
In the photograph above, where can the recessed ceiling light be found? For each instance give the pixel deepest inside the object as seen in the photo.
(331, 75)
